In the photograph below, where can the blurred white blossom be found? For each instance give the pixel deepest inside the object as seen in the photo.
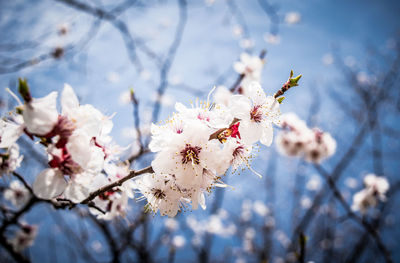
(374, 191)
(292, 18)
(17, 194)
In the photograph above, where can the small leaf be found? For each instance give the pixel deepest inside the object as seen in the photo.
(296, 79)
(280, 99)
(23, 89)
(293, 82)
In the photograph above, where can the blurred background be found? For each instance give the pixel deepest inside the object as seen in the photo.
(176, 51)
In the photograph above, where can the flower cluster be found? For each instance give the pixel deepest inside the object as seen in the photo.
(197, 145)
(375, 190)
(81, 154)
(193, 148)
(297, 139)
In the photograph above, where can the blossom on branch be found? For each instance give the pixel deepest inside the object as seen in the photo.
(297, 139)
(196, 146)
(24, 237)
(17, 194)
(374, 191)
(10, 160)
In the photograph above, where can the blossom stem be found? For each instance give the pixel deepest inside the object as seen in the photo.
(292, 82)
(108, 187)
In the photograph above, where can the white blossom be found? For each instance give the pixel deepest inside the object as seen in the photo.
(374, 191)
(250, 66)
(178, 241)
(17, 194)
(171, 224)
(257, 114)
(24, 237)
(10, 160)
(297, 139)
(40, 115)
(292, 18)
(188, 154)
(9, 133)
(160, 192)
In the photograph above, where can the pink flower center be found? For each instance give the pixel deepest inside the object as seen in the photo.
(191, 154)
(248, 70)
(256, 114)
(202, 117)
(64, 129)
(64, 163)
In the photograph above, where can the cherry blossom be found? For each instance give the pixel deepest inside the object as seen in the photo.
(24, 237)
(80, 147)
(250, 66)
(297, 139)
(257, 114)
(374, 191)
(161, 193)
(17, 194)
(10, 160)
(9, 133)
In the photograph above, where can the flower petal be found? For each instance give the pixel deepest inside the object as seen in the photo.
(49, 184)
(69, 101)
(40, 115)
(267, 135)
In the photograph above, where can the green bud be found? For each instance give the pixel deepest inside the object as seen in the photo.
(280, 99)
(293, 82)
(23, 89)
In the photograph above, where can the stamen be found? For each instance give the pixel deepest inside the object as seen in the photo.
(191, 154)
(14, 96)
(256, 114)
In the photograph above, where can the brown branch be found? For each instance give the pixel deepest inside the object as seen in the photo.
(135, 104)
(108, 187)
(27, 186)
